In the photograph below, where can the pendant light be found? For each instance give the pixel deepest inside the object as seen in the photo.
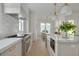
(66, 10)
(55, 17)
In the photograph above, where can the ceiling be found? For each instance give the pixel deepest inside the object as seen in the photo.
(49, 8)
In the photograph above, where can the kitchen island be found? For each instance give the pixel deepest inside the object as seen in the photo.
(64, 46)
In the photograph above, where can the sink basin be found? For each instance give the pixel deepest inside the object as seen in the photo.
(16, 36)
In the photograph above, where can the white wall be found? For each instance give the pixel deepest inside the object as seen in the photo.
(8, 25)
(31, 25)
(36, 19)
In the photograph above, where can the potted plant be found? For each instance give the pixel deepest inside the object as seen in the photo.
(66, 26)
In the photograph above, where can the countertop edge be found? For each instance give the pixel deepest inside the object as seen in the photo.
(9, 45)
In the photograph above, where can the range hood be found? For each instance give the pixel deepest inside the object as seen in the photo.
(13, 15)
(16, 16)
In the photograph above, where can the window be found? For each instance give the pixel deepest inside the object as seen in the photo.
(42, 25)
(21, 25)
(48, 27)
(45, 27)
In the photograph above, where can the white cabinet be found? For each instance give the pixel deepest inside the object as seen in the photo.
(78, 49)
(14, 50)
(19, 48)
(12, 8)
(67, 49)
(10, 51)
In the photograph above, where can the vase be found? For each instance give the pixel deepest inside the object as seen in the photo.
(65, 35)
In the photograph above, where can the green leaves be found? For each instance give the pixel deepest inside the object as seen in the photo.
(66, 26)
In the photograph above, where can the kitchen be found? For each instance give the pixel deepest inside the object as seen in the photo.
(31, 29)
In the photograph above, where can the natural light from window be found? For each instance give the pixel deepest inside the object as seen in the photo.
(21, 25)
(45, 27)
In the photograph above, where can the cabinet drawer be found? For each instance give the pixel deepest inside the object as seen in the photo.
(67, 50)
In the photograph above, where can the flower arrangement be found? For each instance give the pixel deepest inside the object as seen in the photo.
(67, 26)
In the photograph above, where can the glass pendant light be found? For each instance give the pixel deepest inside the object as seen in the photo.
(55, 17)
(66, 10)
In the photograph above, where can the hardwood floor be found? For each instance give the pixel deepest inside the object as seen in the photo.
(38, 49)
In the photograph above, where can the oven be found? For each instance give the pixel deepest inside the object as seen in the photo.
(52, 44)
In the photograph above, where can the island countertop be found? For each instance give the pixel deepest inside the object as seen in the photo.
(65, 40)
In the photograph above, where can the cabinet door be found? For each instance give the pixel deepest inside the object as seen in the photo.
(78, 49)
(67, 50)
(19, 48)
(10, 52)
(11, 8)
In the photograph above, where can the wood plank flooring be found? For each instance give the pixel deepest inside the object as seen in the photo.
(38, 49)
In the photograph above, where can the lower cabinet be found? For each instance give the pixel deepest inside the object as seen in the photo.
(10, 51)
(67, 50)
(78, 49)
(14, 50)
(19, 48)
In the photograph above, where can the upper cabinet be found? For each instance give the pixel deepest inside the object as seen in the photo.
(13, 8)
(16, 9)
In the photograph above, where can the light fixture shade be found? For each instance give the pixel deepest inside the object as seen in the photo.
(66, 11)
(54, 17)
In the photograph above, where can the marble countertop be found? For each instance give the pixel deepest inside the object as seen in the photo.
(65, 40)
(7, 42)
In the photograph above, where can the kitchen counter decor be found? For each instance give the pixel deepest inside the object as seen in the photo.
(67, 28)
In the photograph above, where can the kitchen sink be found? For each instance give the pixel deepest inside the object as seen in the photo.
(16, 36)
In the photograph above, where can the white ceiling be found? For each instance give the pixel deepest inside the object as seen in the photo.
(49, 8)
